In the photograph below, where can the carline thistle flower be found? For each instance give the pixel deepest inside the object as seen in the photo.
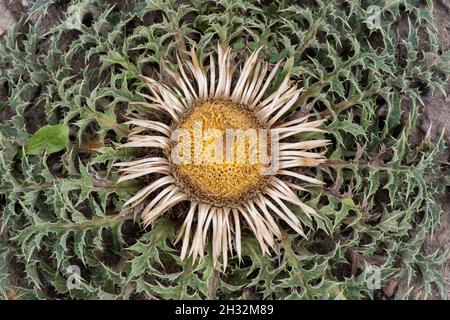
(226, 150)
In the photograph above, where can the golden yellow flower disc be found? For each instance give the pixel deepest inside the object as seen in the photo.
(210, 177)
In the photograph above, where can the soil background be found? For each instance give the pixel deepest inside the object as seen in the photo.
(434, 119)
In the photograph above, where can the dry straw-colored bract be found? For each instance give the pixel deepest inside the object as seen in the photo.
(224, 195)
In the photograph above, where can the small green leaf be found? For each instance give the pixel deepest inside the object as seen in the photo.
(50, 138)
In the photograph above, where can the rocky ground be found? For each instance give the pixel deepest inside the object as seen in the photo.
(6, 17)
(434, 118)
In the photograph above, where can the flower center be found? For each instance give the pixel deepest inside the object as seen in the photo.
(221, 152)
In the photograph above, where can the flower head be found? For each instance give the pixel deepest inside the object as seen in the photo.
(226, 150)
